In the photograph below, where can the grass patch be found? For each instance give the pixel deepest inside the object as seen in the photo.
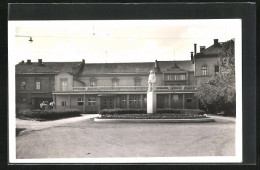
(44, 115)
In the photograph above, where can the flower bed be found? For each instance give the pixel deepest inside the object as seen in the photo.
(48, 114)
(152, 116)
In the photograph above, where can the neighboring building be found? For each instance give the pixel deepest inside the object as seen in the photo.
(206, 62)
(92, 87)
(35, 82)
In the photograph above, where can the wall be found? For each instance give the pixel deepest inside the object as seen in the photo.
(191, 79)
(30, 92)
(59, 99)
(123, 80)
(210, 62)
(61, 76)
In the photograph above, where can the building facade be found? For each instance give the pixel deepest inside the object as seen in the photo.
(91, 87)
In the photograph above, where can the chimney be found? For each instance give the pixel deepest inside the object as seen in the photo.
(215, 42)
(202, 48)
(157, 68)
(40, 62)
(195, 49)
(29, 62)
(191, 57)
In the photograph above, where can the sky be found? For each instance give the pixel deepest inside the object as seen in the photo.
(109, 41)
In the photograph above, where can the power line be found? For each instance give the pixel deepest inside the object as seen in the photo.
(92, 37)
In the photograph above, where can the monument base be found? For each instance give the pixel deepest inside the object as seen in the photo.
(151, 102)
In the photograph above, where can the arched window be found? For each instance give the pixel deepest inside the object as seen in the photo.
(204, 70)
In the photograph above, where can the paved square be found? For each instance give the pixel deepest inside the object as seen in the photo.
(88, 139)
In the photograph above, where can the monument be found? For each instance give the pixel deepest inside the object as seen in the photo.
(151, 95)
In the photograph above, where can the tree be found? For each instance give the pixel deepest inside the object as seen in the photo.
(219, 93)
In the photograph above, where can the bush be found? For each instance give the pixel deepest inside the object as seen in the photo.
(49, 114)
(181, 111)
(159, 111)
(152, 116)
(122, 111)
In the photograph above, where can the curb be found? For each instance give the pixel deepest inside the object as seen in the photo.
(156, 120)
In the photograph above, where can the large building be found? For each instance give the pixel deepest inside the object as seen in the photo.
(91, 87)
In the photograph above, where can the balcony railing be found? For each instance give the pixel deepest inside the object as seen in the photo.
(135, 88)
(176, 88)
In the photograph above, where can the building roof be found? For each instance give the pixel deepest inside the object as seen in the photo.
(213, 50)
(99, 68)
(46, 68)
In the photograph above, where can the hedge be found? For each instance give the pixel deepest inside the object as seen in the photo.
(49, 114)
(143, 111)
(181, 111)
(152, 116)
(122, 111)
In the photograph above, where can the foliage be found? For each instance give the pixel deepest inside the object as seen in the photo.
(159, 111)
(48, 114)
(152, 116)
(122, 111)
(219, 94)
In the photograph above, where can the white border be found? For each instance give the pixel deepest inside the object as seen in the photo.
(210, 159)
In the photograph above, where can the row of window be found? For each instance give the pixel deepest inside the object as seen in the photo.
(175, 77)
(92, 101)
(115, 82)
(204, 70)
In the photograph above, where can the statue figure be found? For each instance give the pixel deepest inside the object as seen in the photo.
(151, 81)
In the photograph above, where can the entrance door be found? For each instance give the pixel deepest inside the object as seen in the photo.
(107, 103)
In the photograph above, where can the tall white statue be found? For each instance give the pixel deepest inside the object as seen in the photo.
(151, 81)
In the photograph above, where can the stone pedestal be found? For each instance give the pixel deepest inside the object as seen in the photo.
(151, 102)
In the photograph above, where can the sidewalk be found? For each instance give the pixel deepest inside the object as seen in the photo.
(30, 125)
(222, 118)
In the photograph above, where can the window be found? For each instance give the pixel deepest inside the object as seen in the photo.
(204, 70)
(134, 100)
(182, 77)
(175, 98)
(123, 100)
(80, 101)
(22, 85)
(64, 84)
(38, 85)
(145, 100)
(176, 77)
(91, 101)
(63, 103)
(115, 82)
(93, 82)
(216, 69)
(188, 99)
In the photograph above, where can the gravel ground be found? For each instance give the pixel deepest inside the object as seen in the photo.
(88, 139)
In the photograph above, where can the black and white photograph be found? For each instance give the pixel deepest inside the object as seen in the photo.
(125, 91)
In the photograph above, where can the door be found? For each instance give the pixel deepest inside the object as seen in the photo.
(107, 103)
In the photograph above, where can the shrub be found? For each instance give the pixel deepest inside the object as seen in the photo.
(152, 116)
(49, 114)
(159, 111)
(181, 111)
(122, 111)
